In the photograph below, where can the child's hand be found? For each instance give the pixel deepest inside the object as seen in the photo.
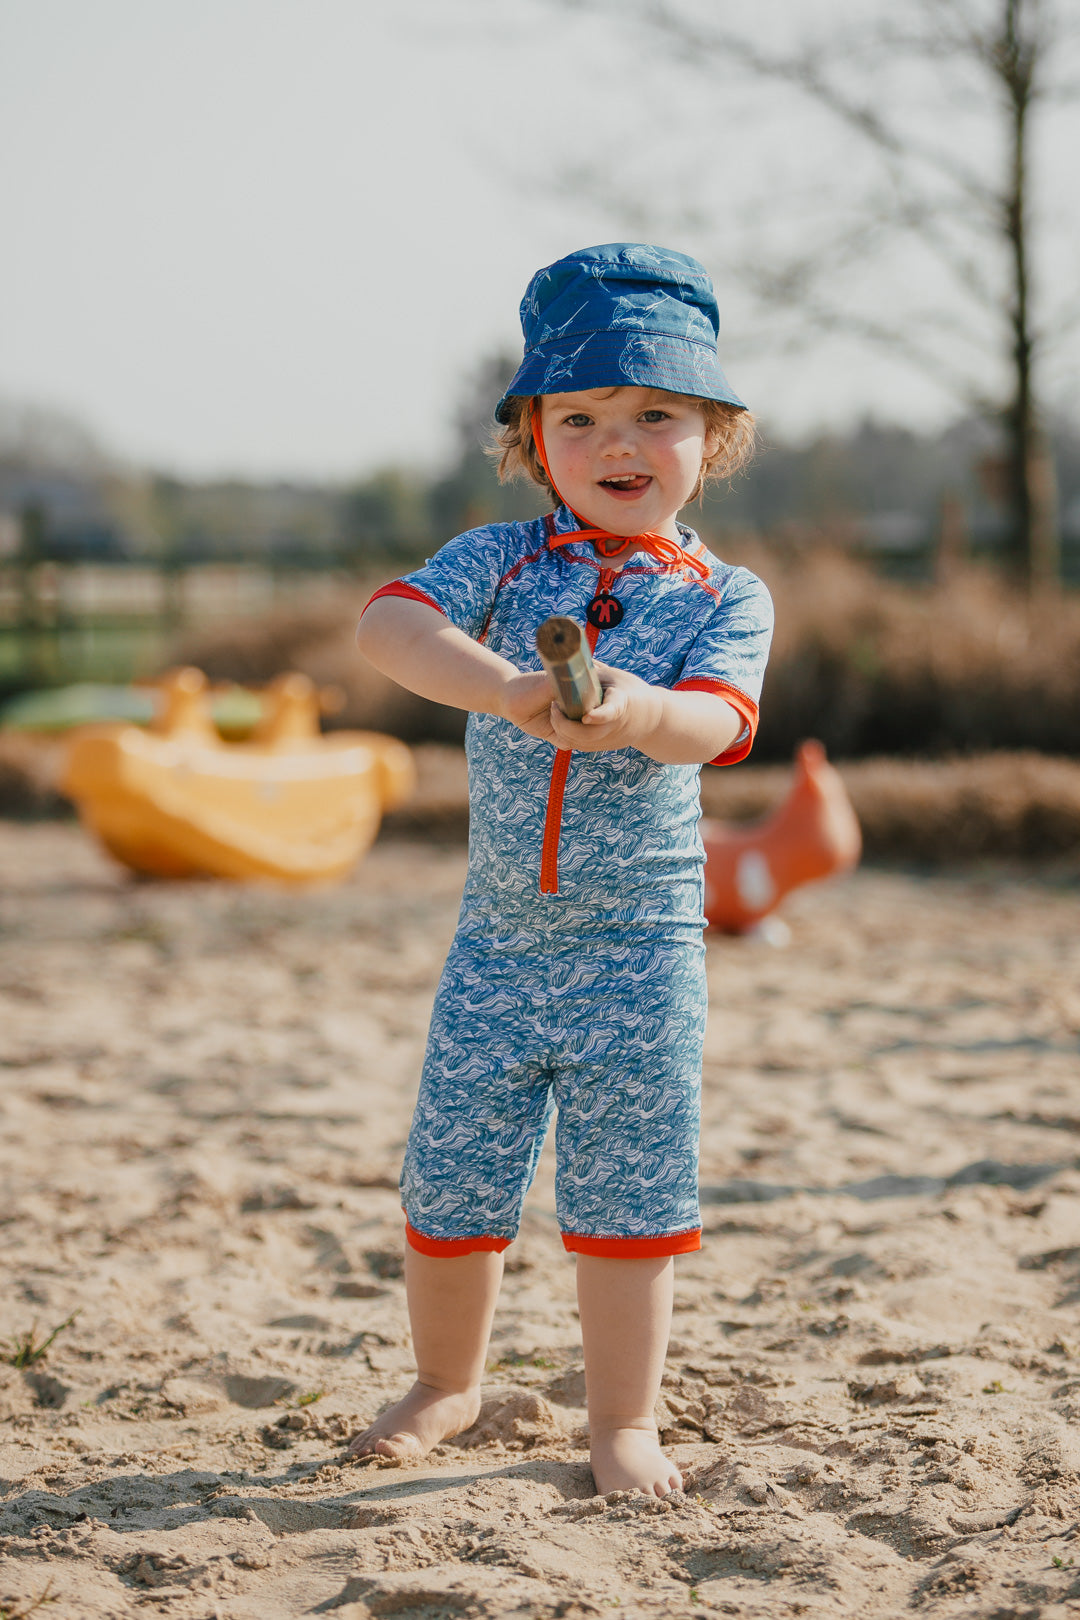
(674, 728)
(630, 711)
(628, 716)
(526, 700)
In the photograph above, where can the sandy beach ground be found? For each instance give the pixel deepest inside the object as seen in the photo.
(874, 1379)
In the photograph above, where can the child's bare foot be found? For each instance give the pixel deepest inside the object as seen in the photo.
(417, 1422)
(629, 1460)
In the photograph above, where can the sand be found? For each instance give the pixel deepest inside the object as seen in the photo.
(874, 1378)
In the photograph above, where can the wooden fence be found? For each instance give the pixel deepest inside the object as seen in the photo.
(63, 622)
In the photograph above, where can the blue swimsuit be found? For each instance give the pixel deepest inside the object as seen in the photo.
(576, 979)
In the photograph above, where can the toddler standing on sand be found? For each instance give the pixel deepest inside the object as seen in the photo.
(576, 979)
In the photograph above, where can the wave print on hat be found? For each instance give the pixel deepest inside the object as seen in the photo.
(575, 312)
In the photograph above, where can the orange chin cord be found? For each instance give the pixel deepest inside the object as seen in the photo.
(610, 545)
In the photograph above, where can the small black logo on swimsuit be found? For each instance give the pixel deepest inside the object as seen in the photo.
(605, 611)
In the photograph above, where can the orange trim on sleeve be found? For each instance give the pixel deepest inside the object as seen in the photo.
(399, 587)
(628, 1248)
(740, 703)
(444, 1248)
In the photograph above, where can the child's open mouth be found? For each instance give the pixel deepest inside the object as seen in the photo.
(627, 484)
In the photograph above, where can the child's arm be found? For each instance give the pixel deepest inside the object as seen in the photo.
(674, 728)
(420, 649)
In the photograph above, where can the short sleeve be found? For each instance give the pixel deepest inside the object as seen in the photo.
(462, 578)
(729, 654)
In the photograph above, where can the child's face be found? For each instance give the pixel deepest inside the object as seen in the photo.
(626, 459)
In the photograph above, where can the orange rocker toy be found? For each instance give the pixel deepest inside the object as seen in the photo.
(287, 804)
(813, 834)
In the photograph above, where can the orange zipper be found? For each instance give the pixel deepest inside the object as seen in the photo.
(549, 857)
(560, 770)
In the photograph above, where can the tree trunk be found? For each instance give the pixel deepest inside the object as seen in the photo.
(953, 544)
(1034, 539)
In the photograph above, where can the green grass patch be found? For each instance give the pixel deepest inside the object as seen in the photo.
(26, 1349)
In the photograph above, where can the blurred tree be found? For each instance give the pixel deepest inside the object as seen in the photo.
(1002, 59)
(470, 494)
(39, 437)
(388, 514)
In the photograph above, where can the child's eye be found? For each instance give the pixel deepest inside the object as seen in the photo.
(654, 416)
(579, 419)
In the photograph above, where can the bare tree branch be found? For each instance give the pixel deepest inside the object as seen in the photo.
(1006, 57)
(1059, 327)
(810, 70)
(901, 343)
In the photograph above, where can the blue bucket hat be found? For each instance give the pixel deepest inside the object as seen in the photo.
(623, 314)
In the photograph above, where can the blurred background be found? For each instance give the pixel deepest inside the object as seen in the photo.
(259, 294)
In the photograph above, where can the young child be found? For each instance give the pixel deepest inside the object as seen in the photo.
(576, 979)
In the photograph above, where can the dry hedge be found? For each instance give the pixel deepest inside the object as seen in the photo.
(1012, 805)
(872, 666)
(1018, 805)
(971, 672)
(869, 665)
(1021, 806)
(28, 772)
(320, 641)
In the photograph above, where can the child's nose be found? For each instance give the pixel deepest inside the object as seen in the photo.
(618, 440)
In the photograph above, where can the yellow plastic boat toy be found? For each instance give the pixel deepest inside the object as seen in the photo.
(289, 805)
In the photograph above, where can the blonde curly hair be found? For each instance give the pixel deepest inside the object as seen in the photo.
(516, 455)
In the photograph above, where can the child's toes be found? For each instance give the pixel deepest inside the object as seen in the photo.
(400, 1444)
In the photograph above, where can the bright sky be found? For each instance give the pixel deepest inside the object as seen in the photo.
(272, 237)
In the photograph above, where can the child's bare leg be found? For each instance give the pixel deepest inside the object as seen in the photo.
(625, 1308)
(451, 1304)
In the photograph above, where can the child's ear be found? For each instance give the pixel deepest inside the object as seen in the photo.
(711, 446)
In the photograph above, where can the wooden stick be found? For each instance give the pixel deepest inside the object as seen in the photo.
(564, 653)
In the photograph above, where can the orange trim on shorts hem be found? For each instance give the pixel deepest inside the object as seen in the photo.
(445, 1247)
(631, 1248)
